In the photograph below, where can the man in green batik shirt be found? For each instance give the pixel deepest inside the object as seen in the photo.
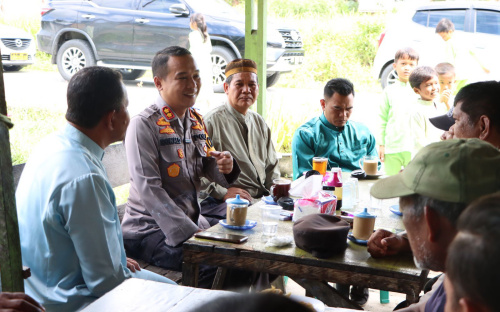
(333, 135)
(244, 133)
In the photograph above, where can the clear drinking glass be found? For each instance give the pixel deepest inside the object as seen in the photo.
(270, 218)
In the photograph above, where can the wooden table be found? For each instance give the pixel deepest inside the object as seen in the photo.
(354, 267)
(141, 295)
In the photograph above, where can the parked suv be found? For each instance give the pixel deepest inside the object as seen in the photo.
(126, 34)
(477, 26)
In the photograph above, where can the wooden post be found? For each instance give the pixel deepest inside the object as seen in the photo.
(10, 247)
(256, 43)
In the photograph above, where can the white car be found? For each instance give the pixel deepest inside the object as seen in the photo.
(477, 26)
(18, 48)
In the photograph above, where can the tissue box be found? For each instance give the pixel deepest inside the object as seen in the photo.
(320, 203)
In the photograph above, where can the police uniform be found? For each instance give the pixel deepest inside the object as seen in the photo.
(167, 156)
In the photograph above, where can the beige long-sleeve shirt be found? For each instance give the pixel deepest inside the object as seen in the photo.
(248, 138)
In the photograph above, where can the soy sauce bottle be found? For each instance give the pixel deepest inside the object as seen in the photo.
(337, 183)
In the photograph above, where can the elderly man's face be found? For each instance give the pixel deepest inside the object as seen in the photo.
(242, 92)
(417, 231)
(338, 108)
(464, 128)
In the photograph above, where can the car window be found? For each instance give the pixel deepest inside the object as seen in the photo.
(420, 17)
(456, 16)
(162, 6)
(488, 22)
(115, 4)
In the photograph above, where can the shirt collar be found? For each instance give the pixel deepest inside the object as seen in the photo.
(325, 122)
(424, 102)
(75, 134)
(165, 110)
(239, 116)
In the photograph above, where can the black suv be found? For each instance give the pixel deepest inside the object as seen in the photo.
(125, 34)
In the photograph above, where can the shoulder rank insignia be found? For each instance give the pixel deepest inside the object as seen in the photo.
(167, 128)
(180, 152)
(197, 126)
(168, 113)
(199, 122)
(173, 170)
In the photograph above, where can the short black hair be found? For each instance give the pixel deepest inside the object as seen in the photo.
(444, 25)
(421, 74)
(338, 85)
(471, 264)
(445, 68)
(159, 63)
(408, 53)
(92, 93)
(260, 302)
(481, 98)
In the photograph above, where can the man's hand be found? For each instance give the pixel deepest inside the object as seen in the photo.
(383, 243)
(132, 265)
(448, 135)
(381, 152)
(233, 191)
(224, 161)
(445, 97)
(19, 302)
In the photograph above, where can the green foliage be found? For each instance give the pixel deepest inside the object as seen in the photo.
(42, 63)
(30, 126)
(310, 8)
(31, 24)
(345, 46)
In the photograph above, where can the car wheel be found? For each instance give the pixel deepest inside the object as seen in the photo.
(12, 68)
(131, 74)
(389, 76)
(273, 79)
(221, 56)
(72, 56)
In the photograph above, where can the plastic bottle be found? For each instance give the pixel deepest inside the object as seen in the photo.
(337, 183)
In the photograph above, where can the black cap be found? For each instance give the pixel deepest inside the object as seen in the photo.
(443, 122)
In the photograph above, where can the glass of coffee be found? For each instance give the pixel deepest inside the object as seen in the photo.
(236, 211)
(280, 188)
(320, 164)
(369, 164)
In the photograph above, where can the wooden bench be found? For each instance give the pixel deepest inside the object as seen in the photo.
(115, 162)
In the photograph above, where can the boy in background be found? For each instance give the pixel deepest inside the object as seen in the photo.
(471, 281)
(457, 53)
(425, 83)
(393, 135)
(447, 83)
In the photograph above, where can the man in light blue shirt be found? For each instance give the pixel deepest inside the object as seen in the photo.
(68, 222)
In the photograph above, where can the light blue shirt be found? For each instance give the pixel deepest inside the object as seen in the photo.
(344, 147)
(70, 232)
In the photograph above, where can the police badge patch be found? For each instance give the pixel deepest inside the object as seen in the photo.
(173, 170)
